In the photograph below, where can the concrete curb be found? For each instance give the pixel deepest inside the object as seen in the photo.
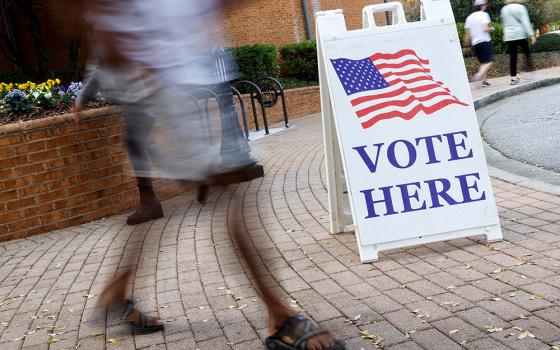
(507, 169)
(500, 95)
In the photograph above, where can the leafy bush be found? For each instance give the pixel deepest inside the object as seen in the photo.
(548, 42)
(293, 83)
(498, 38)
(256, 61)
(300, 61)
(461, 32)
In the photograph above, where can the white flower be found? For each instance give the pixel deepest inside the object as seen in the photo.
(36, 94)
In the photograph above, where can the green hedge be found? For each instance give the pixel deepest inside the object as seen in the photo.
(549, 42)
(256, 61)
(498, 38)
(299, 61)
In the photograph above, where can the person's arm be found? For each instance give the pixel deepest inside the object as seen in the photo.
(487, 28)
(88, 91)
(527, 24)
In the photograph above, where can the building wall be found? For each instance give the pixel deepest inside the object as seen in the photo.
(253, 21)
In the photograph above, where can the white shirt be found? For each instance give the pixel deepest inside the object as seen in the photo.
(475, 24)
(172, 37)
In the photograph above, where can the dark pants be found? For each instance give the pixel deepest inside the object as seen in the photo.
(512, 48)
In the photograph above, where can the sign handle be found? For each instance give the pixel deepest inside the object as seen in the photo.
(396, 9)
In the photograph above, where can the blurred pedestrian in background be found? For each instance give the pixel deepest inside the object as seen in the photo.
(148, 56)
(517, 29)
(477, 34)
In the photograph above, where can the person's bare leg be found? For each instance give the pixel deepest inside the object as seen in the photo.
(278, 311)
(114, 293)
(483, 71)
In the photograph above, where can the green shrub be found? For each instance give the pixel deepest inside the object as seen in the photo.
(498, 38)
(299, 61)
(256, 61)
(550, 42)
(461, 32)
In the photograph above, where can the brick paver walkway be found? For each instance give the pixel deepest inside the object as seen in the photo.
(460, 294)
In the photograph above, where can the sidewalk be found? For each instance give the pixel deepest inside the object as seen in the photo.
(460, 294)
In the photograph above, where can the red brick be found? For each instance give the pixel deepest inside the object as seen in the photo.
(23, 224)
(30, 169)
(41, 209)
(42, 156)
(11, 216)
(10, 139)
(7, 152)
(13, 162)
(8, 195)
(34, 189)
(75, 149)
(67, 203)
(37, 135)
(31, 147)
(21, 203)
(51, 196)
(51, 175)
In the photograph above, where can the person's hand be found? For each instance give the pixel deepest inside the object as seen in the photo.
(533, 40)
(77, 109)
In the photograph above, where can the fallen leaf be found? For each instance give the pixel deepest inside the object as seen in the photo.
(52, 340)
(512, 294)
(496, 299)
(89, 296)
(497, 271)
(453, 331)
(468, 266)
(523, 317)
(494, 329)
(95, 334)
(112, 341)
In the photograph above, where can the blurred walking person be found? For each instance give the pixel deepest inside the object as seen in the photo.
(149, 56)
(517, 29)
(477, 34)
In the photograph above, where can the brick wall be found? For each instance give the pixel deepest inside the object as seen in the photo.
(56, 172)
(245, 22)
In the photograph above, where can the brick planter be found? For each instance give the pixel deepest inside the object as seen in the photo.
(57, 172)
(300, 102)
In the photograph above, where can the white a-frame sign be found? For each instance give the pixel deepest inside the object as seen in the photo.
(402, 142)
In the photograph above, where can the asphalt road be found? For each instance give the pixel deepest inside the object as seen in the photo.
(527, 128)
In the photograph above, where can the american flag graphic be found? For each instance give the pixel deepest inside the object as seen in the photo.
(385, 86)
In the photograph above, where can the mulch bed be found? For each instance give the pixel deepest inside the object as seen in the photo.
(40, 113)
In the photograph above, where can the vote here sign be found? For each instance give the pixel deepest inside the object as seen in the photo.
(410, 142)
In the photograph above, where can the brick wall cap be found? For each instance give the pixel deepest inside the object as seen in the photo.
(66, 118)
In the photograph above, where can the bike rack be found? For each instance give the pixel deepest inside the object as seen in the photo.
(257, 95)
(270, 96)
